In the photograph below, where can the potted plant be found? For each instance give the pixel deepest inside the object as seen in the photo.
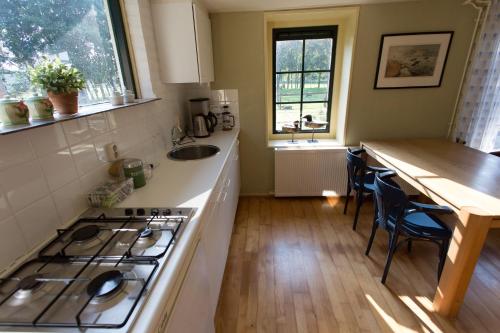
(61, 81)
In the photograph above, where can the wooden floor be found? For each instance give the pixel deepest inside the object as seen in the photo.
(295, 265)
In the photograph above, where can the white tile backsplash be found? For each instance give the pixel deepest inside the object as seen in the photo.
(38, 221)
(46, 173)
(13, 245)
(76, 130)
(14, 149)
(23, 184)
(98, 124)
(47, 139)
(58, 168)
(70, 200)
(4, 207)
(85, 157)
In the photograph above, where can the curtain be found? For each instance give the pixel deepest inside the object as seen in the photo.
(478, 121)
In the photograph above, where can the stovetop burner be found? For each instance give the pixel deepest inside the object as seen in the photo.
(105, 284)
(145, 232)
(94, 273)
(85, 233)
(30, 282)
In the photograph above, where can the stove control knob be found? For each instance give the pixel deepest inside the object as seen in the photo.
(141, 212)
(129, 211)
(167, 212)
(155, 211)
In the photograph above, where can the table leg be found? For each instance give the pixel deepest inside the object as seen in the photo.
(467, 241)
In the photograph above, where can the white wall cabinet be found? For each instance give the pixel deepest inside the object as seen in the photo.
(196, 303)
(184, 41)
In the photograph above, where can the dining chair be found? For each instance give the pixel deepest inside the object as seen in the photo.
(404, 218)
(360, 178)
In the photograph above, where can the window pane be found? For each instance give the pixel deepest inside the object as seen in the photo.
(317, 110)
(288, 55)
(316, 86)
(288, 87)
(75, 31)
(318, 54)
(286, 114)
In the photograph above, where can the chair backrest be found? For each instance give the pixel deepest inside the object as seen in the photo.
(356, 166)
(390, 200)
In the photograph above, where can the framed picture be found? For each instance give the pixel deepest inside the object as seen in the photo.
(412, 60)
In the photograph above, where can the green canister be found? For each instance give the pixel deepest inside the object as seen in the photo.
(41, 107)
(13, 112)
(133, 168)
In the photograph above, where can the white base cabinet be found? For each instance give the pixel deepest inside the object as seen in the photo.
(196, 303)
(192, 313)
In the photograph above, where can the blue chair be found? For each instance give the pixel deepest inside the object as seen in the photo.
(404, 218)
(360, 179)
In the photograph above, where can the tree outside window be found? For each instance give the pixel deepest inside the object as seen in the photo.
(76, 31)
(303, 63)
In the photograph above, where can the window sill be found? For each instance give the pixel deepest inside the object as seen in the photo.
(83, 111)
(303, 144)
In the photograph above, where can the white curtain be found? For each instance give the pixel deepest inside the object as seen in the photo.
(478, 122)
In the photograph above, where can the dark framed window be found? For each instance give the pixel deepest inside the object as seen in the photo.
(89, 35)
(303, 72)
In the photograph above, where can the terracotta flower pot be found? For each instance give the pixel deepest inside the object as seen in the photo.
(66, 103)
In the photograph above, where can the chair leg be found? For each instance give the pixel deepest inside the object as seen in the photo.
(443, 251)
(372, 236)
(359, 202)
(347, 197)
(410, 243)
(392, 249)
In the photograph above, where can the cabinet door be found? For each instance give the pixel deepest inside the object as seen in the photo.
(203, 44)
(175, 41)
(191, 312)
(214, 241)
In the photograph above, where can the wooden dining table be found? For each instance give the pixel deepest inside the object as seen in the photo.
(465, 179)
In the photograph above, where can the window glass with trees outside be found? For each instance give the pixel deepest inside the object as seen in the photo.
(303, 64)
(79, 32)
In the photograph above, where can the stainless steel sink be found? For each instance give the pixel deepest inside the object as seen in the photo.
(195, 152)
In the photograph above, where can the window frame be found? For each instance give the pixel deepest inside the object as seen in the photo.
(307, 33)
(121, 44)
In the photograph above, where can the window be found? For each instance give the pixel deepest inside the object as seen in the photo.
(87, 34)
(303, 69)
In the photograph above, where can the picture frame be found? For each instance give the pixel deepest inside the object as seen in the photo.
(412, 60)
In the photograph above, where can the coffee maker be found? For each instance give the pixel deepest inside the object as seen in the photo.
(202, 122)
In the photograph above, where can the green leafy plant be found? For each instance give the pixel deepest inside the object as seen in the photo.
(56, 77)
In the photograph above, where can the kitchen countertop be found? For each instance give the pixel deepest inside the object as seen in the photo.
(179, 184)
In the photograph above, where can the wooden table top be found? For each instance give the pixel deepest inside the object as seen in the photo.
(461, 176)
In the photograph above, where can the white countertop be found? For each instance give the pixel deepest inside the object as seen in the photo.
(179, 184)
(174, 184)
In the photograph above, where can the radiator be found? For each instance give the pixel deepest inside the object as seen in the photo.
(317, 172)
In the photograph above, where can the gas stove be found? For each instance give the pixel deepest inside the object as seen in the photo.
(94, 273)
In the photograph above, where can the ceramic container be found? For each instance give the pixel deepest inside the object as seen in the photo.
(41, 107)
(116, 99)
(13, 112)
(133, 168)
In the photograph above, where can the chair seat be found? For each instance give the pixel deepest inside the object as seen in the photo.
(423, 225)
(369, 183)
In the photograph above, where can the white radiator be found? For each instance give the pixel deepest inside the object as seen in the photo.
(317, 172)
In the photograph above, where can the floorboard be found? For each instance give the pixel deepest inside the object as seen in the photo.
(296, 265)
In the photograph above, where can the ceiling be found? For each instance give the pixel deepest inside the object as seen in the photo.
(259, 5)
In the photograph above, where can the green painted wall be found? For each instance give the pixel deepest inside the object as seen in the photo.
(238, 41)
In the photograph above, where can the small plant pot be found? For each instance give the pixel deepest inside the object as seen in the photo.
(66, 103)
(41, 107)
(13, 112)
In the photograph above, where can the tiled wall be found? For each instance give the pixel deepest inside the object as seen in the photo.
(45, 173)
